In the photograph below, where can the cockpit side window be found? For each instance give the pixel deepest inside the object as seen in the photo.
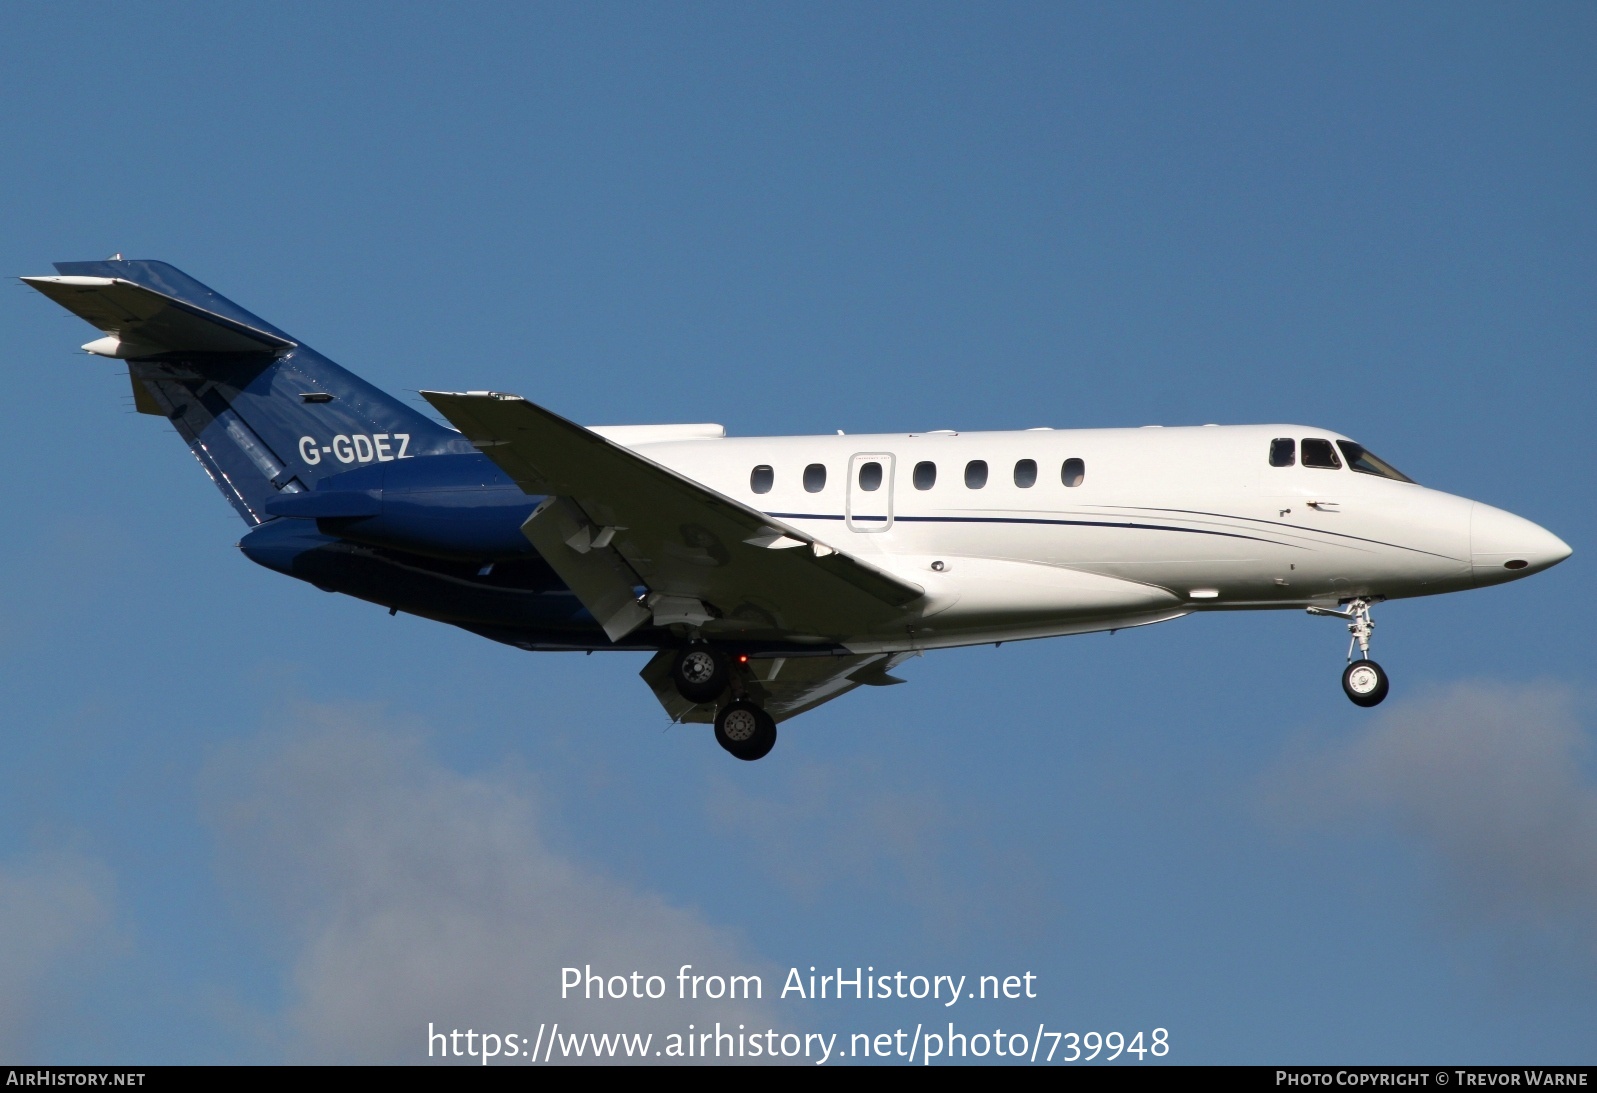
(1360, 459)
(1283, 451)
(1320, 453)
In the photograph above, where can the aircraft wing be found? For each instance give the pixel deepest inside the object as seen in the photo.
(616, 520)
(785, 687)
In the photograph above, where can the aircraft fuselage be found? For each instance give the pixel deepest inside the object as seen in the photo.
(1012, 534)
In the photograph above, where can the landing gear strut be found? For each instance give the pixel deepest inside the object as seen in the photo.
(745, 730)
(1364, 681)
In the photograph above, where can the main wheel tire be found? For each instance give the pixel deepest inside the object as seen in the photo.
(1365, 683)
(699, 674)
(745, 730)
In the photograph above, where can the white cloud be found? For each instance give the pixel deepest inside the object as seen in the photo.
(414, 894)
(54, 915)
(1493, 782)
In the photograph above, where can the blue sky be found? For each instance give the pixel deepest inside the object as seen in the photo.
(244, 820)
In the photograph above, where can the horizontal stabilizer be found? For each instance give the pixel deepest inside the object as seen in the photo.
(141, 322)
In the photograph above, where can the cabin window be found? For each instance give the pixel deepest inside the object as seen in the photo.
(976, 474)
(925, 476)
(1360, 459)
(1283, 451)
(870, 476)
(761, 479)
(814, 478)
(1073, 473)
(1320, 453)
(1026, 473)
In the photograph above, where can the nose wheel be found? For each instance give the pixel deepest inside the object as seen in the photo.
(1363, 681)
(745, 730)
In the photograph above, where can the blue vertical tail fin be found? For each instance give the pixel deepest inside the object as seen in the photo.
(263, 413)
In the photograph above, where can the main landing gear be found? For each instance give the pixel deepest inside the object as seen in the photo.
(702, 675)
(745, 730)
(1364, 681)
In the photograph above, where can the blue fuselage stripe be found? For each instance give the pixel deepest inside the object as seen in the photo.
(1033, 520)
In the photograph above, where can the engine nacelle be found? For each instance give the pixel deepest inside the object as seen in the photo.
(447, 506)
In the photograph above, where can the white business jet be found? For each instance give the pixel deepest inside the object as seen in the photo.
(771, 574)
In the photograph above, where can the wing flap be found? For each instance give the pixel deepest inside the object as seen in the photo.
(597, 575)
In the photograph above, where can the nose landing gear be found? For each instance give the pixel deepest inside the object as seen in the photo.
(1363, 681)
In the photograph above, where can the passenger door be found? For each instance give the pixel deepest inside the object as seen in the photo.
(868, 503)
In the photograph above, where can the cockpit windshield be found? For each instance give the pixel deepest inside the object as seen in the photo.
(1363, 461)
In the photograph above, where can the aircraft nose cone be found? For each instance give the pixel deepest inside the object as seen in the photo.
(1504, 546)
